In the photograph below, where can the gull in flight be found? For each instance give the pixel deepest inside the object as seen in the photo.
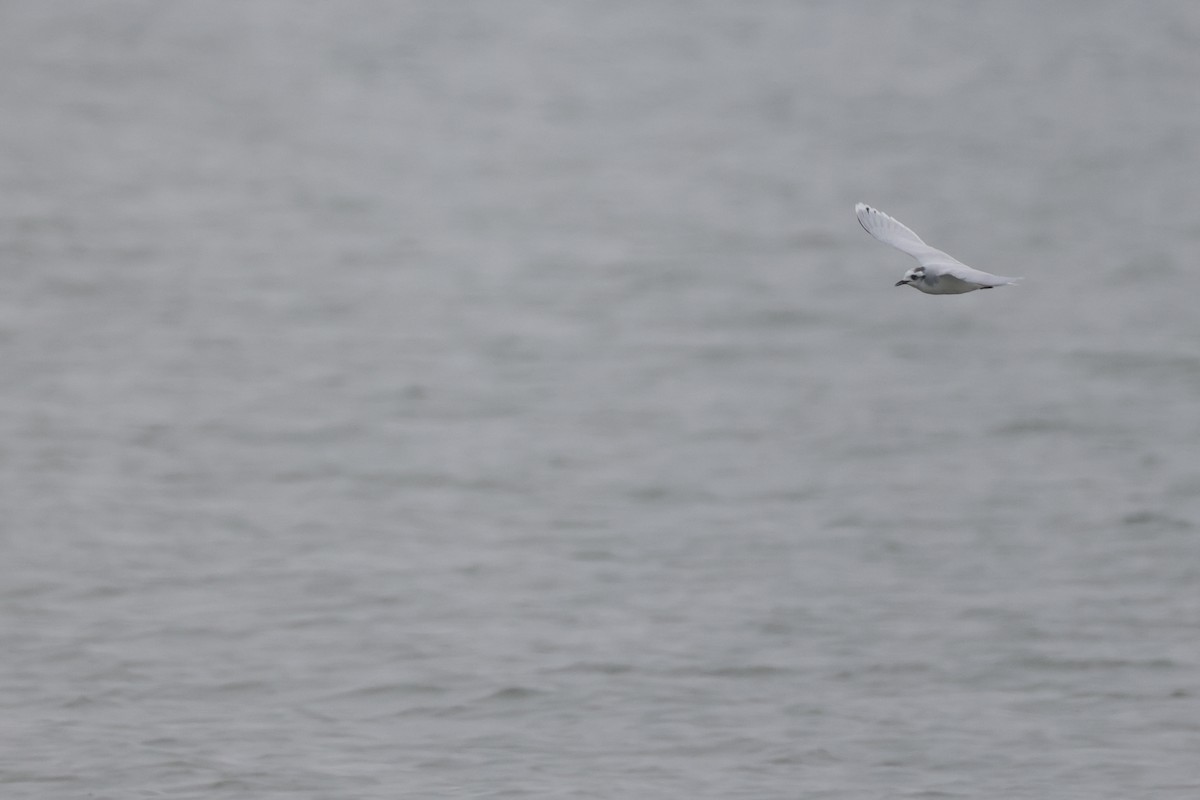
(938, 273)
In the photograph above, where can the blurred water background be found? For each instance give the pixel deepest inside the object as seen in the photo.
(478, 399)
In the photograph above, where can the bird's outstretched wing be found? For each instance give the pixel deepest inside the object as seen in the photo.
(969, 275)
(900, 236)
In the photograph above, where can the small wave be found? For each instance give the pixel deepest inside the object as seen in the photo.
(512, 693)
(1125, 363)
(898, 668)
(1038, 425)
(385, 689)
(596, 668)
(1148, 518)
(736, 671)
(1067, 664)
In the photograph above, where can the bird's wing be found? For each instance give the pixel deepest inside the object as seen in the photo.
(968, 274)
(898, 235)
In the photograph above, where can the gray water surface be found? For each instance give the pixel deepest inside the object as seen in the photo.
(501, 400)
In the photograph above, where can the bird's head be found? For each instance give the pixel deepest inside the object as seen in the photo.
(914, 275)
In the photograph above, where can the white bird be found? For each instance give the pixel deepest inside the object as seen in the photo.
(938, 272)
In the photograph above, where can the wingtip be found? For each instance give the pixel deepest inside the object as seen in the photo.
(862, 213)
